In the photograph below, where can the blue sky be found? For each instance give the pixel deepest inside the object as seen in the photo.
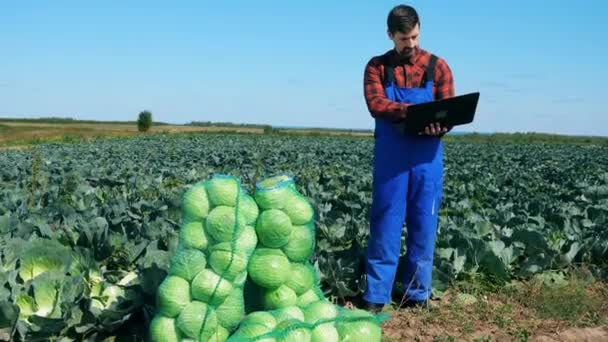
(539, 65)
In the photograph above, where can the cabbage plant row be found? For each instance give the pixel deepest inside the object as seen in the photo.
(87, 232)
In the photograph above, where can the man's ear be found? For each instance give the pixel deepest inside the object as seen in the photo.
(390, 35)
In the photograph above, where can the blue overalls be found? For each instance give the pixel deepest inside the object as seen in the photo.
(407, 187)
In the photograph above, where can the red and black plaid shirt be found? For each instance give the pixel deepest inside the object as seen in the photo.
(375, 97)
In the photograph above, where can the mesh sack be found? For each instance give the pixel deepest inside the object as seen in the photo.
(319, 321)
(280, 267)
(242, 271)
(201, 299)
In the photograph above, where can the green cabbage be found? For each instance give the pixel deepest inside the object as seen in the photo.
(163, 329)
(204, 285)
(114, 302)
(187, 263)
(247, 240)
(221, 335)
(192, 235)
(226, 262)
(27, 306)
(301, 278)
(271, 193)
(223, 191)
(260, 317)
(172, 295)
(232, 310)
(290, 312)
(268, 268)
(298, 208)
(273, 228)
(221, 223)
(195, 204)
(319, 310)
(308, 297)
(301, 243)
(288, 333)
(280, 297)
(240, 279)
(363, 329)
(196, 320)
(248, 208)
(325, 332)
(250, 331)
(47, 294)
(44, 255)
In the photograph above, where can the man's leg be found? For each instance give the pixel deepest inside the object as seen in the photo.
(423, 202)
(386, 226)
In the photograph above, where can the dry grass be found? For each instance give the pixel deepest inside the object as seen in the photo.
(530, 311)
(26, 133)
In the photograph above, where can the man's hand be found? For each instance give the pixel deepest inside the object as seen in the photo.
(434, 129)
(399, 116)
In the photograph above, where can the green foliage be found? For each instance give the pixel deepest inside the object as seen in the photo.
(509, 211)
(144, 121)
(526, 138)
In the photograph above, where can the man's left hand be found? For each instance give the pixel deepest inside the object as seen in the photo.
(434, 129)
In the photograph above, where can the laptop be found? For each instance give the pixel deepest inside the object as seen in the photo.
(453, 111)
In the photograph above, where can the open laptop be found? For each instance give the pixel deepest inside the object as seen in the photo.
(453, 111)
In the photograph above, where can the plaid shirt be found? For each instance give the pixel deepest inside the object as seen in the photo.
(377, 102)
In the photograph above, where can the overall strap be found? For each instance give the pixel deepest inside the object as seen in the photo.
(429, 74)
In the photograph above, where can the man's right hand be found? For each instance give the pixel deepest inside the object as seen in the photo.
(400, 115)
(435, 129)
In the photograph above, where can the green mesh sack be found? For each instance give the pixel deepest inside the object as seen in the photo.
(285, 225)
(287, 218)
(242, 271)
(280, 267)
(319, 321)
(201, 299)
(301, 281)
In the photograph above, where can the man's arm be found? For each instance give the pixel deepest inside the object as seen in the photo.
(444, 86)
(378, 104)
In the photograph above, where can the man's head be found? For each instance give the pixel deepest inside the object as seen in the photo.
(403, 29)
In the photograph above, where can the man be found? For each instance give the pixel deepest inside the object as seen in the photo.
(407, 169)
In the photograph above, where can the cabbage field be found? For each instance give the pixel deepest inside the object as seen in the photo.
(88, 231)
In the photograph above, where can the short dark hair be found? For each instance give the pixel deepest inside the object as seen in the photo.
(402, 18)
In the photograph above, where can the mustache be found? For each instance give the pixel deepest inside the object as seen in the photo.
(407, 50)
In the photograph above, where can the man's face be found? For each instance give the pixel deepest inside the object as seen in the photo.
(406, 43)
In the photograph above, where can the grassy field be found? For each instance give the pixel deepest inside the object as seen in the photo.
(20, 133)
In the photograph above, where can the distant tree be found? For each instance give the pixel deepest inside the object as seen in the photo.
(144, 121)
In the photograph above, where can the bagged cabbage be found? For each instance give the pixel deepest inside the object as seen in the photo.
(242, 271)
(319, 321)
(201, 299)
(280, 266)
